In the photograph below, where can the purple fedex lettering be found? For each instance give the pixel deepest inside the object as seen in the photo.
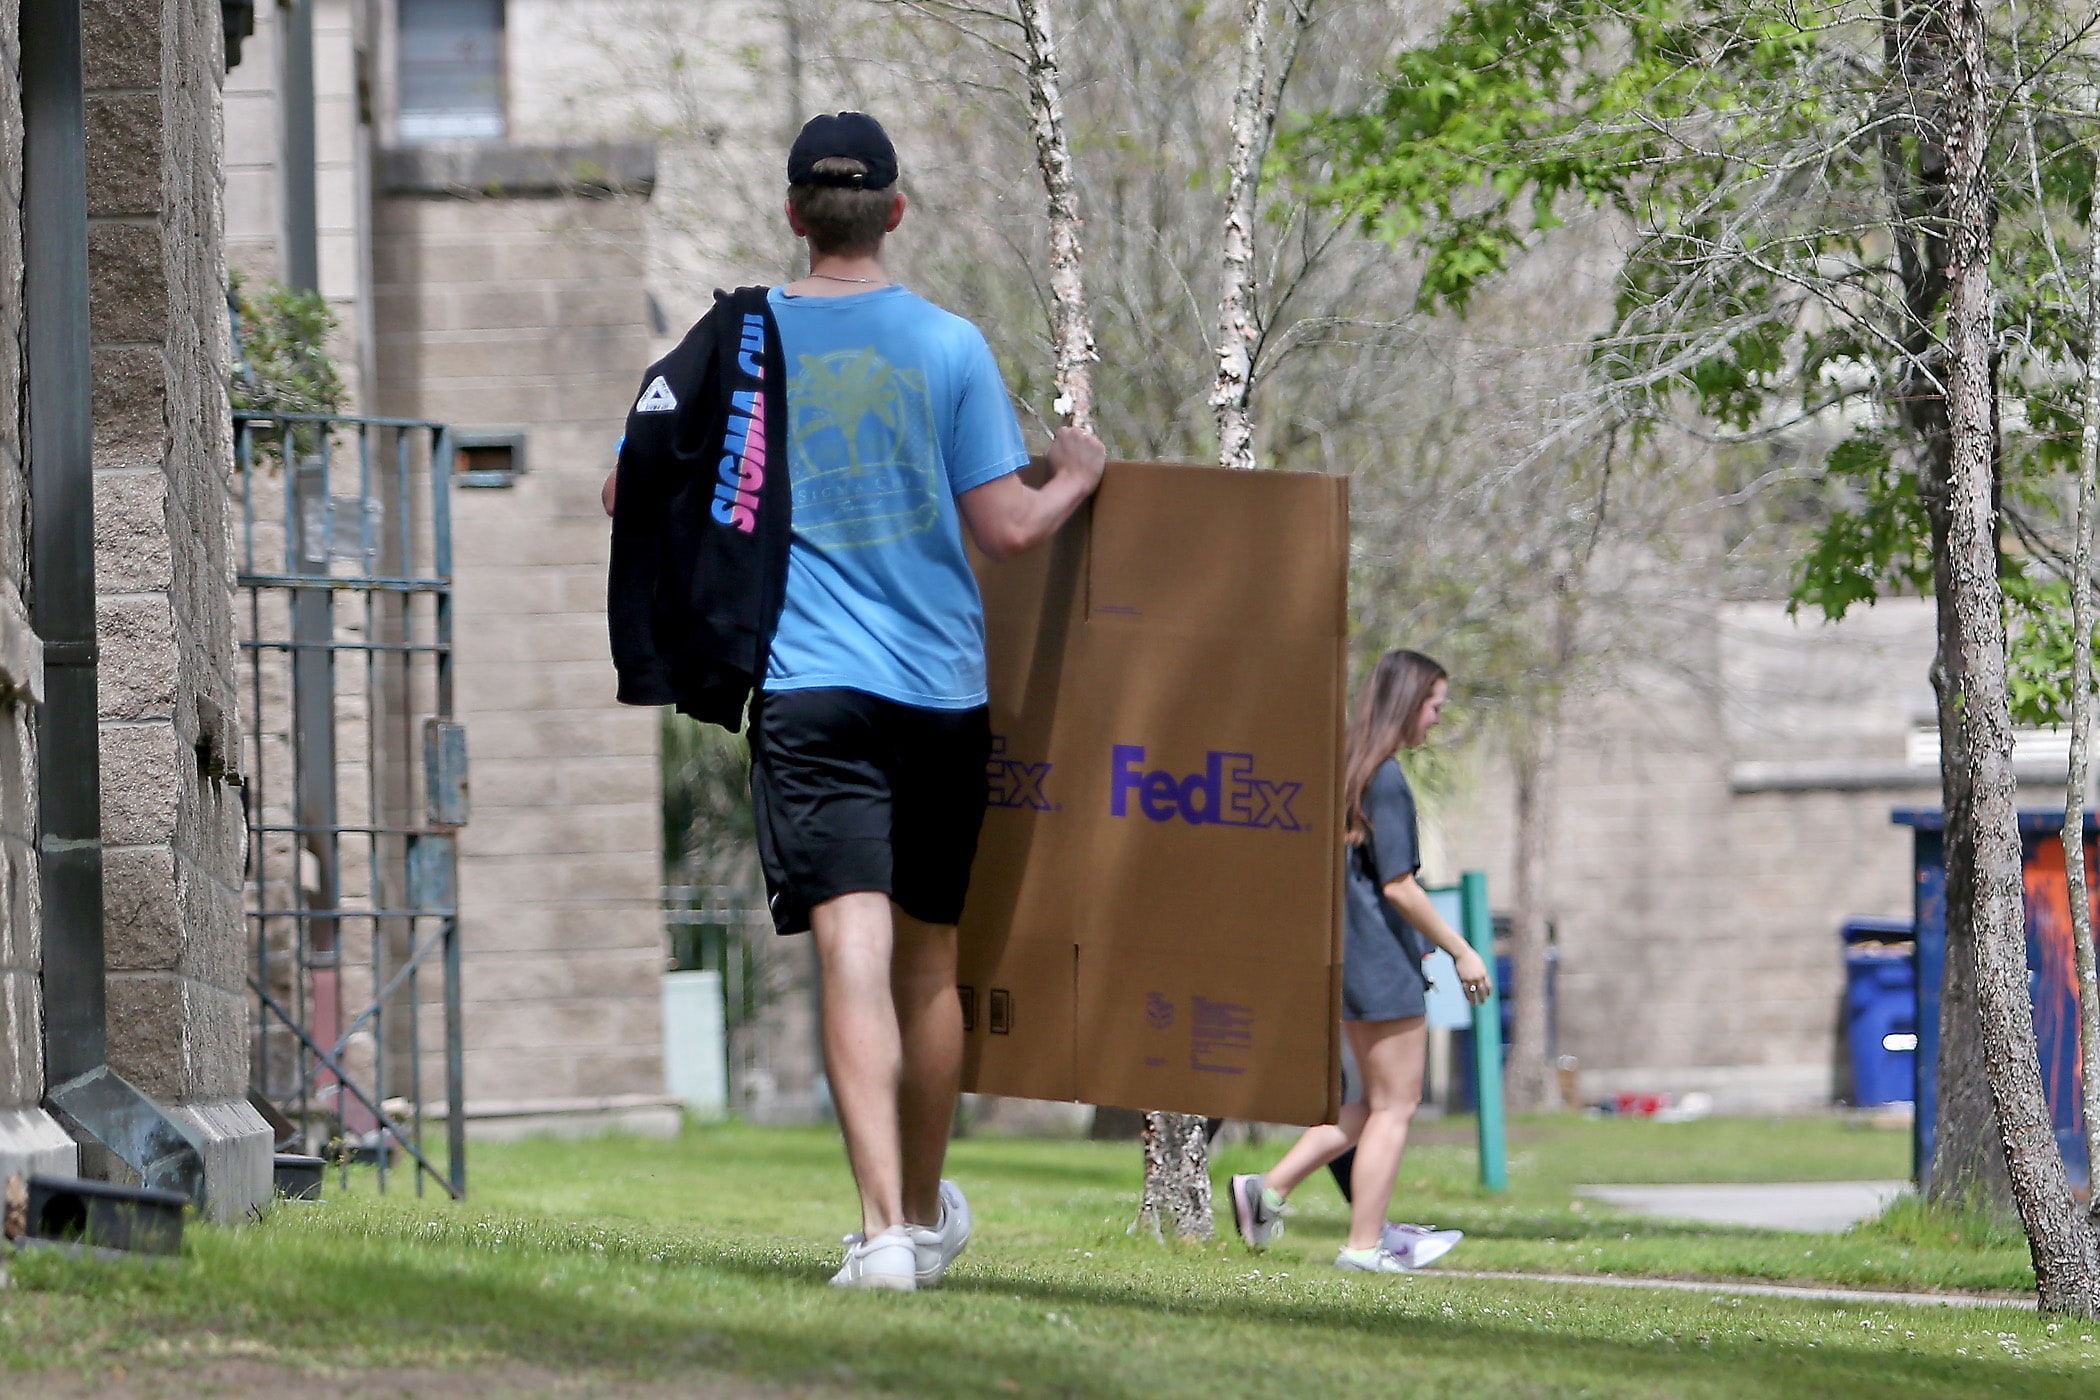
(1126, 758)
(1012, 782)
(1225, 792)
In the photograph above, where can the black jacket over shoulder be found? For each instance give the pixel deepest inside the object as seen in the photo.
(701, 515)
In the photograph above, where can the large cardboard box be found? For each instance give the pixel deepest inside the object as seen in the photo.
(1154, 918)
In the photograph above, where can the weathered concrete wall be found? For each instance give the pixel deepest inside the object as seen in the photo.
(529, 315)
(255, 212)
(29, 1139)
(172, 829)
(1708, 842)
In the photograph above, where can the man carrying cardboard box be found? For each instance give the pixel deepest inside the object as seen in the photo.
(869, 739)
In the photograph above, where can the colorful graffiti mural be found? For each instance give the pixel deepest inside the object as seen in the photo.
(2052, 978)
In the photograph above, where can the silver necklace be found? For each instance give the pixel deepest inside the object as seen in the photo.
(834, 277)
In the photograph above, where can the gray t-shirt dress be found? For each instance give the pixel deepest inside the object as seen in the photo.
(1382, 954)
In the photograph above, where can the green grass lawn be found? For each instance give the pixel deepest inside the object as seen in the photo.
(1540, 1226)
(696, 1266)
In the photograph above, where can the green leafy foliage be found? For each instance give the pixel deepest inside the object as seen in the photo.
(1777, 183)
(708, 828)
(2038, 660)
(283, 361)
(1878, 540)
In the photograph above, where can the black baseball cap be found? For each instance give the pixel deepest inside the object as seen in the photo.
(854, 135)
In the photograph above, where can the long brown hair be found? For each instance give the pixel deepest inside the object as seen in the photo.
(1387, 713)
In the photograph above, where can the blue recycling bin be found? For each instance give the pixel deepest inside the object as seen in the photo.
(1881, 1010)
(2051, 973)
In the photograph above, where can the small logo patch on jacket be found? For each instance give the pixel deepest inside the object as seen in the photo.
(657, 398)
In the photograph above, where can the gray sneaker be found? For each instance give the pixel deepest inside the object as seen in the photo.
(1371, 1261)
(1259, 1226)
(888, 1261)
(1419, 1245)
(937, 1247)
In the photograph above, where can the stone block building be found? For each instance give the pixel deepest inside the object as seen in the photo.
(486, 265)
(121, 950)
(1708, 842)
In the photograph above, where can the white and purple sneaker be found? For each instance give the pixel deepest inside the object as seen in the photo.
(1418, 1246)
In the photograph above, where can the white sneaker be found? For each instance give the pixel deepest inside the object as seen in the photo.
(1371, 1261)
(938, 1247)
(1418, 1246)
(888, 1261)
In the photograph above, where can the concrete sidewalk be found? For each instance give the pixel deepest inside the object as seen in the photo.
(1812, 1207)
(1742, 1289)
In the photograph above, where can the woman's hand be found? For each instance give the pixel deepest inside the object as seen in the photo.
(1418, 909)
(1473, 976)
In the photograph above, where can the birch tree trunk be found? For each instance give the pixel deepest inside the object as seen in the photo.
(1177, 1152)
(2082, 720)
(1177, 1148)
(2066, 1264)
(1526, 1081)
(1237, 333)
(1072, 328)
(1177, 1178)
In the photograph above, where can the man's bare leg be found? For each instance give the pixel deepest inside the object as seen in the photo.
(929, 1017)
(863, 1053)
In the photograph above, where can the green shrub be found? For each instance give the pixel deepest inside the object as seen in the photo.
(282, 364)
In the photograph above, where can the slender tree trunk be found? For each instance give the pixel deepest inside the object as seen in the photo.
(1177, 1178)
(1177, 1152)
(1527, 1081)
(2081, 723)
(1072, 329)
(2066, 1264)
(1967, 1163)
(1237, 333)
(1177, 1148)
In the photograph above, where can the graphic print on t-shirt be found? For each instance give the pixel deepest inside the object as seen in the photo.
(866, 468)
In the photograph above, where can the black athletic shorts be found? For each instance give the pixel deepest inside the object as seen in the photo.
(852, 793)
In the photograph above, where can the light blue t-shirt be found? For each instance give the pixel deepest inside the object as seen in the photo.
(895, 408)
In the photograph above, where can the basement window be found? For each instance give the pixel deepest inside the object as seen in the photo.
(488, 459)
(451, 70)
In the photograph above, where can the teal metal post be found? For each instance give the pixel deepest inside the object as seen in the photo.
(1487, 1034)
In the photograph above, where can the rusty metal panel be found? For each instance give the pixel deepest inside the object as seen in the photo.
(445, 773)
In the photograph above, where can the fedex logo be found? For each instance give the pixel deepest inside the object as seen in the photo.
(1225, 793)
(1013, 783)
(743, 466)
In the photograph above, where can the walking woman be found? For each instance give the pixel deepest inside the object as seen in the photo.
(1387, 916)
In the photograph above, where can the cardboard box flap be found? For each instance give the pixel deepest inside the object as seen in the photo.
(1197, 549)
(1223, 1036)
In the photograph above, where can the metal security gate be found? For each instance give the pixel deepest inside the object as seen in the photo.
(356, 786)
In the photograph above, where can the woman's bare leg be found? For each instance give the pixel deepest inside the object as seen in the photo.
(1390, 1054)
(1315, 1148)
